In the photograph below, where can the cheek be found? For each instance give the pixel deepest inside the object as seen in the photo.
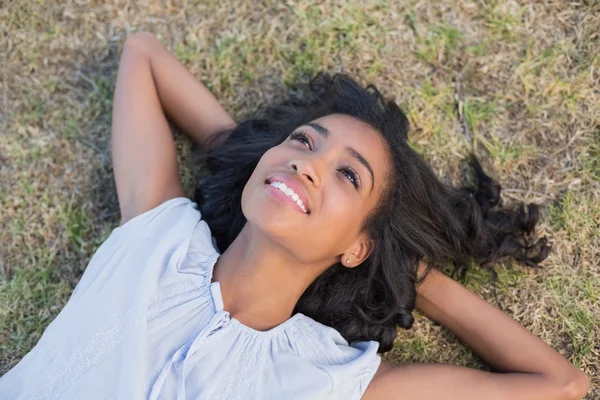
(272, 160)
(254, 196)
(341, 212)
(275, 157)
(266, 163)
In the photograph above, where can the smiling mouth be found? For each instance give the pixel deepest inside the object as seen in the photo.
(289, 193)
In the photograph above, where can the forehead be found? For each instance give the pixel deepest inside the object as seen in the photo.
(347, 131)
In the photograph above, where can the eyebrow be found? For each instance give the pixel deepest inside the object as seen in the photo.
(325, 133)
(319, 128)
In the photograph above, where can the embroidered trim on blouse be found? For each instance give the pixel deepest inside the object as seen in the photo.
(105, 340)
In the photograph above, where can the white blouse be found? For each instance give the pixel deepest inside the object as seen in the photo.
(145, 321)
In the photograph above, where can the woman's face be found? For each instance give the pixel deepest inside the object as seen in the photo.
(334, 170)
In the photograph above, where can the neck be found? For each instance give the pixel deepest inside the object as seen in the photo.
(260, 281)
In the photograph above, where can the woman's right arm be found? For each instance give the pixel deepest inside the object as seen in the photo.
(151, 86)
(184, 99)
(530, 368)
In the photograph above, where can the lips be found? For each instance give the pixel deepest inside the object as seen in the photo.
(293, 184)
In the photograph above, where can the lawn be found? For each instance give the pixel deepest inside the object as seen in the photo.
(517, 82)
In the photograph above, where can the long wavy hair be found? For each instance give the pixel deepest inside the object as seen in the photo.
(418, 216)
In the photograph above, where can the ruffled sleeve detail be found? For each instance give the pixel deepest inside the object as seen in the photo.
(202, 253)
(158, 219)
(350, 366)
(145, 244)
(177, 219)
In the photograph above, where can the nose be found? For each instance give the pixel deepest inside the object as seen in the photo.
(307, 170)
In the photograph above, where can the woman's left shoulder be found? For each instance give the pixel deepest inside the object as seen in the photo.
(351, 366)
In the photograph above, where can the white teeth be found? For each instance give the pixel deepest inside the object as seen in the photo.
(289, 192)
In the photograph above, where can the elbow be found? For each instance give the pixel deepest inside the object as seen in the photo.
(140, 40)
(141, 36)
(577, 387)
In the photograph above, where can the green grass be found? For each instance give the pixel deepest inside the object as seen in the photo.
(592, 158)
(30, 301)
(577, 216)
(77, 225)
(439, 44)
(69, 126)
(502, 24)
(576, 292)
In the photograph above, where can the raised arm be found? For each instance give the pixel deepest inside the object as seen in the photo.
(152, 85)
(530, 370)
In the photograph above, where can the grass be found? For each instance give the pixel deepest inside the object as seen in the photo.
(439, 43)
(517, 84)
(31, 300)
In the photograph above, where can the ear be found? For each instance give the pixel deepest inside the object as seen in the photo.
(358, 252)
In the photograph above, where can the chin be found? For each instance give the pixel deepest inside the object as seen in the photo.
(273, 221)
(268, 219)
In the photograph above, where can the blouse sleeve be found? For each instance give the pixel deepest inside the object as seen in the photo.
(156, 220)
(142, 244)
(359, 364)
(350, 366)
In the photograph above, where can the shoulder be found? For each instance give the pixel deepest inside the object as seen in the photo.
(171, 235)
(176, 223)
(177, 220)
(174, 212)
(351, 366)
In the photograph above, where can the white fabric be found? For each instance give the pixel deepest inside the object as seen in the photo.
(145, 321)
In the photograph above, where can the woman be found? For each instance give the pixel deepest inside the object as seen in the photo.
(321, 217)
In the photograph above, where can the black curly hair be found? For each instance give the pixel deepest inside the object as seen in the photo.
(418, 216)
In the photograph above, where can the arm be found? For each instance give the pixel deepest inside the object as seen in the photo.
(184, 99)
(151, 86)
(532, 370)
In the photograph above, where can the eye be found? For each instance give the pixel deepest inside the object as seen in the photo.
(347, 171)
(302, 138)
(352, 176)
